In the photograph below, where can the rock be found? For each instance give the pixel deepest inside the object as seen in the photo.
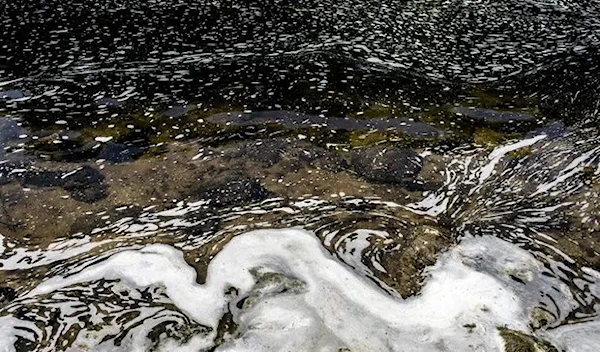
(294, 153)
(85, 185)
(552, 130)
(231, 190)
(387, 165)
(118, 153)
(493, 116)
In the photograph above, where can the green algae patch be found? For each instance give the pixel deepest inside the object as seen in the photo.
(516, 341)
(155, 126)
(489, 138)
(521, 153)
(151, 130)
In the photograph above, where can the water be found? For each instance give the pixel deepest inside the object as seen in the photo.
(347, 175)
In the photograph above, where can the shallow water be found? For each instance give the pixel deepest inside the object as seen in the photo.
(101, 290)
(331, 175)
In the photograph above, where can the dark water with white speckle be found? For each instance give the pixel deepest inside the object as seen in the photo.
(300, 176)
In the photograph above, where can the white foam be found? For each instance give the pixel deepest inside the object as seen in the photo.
(337, 309)
(576, 337)
(103, 139)
(9, 334)
(500, 152)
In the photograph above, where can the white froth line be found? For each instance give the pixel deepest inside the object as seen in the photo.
(497, 154)
(11, 82)
(71, 173)
(574, 167)
(453, 296)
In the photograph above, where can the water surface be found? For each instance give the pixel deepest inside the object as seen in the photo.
(313, 175)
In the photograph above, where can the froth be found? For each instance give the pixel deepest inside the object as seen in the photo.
(286, 292)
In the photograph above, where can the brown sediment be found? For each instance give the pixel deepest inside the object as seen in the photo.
(488, 138)
(296, 170)
(583, 247)
(579, 238)
(411, 244)
(516, 341)
(416, 251)
(43, 214)
(289, 167)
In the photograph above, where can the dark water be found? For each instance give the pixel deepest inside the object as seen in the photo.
(445, 153)
(69, 58)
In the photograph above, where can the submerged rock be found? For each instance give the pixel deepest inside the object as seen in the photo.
(202, 223)
(387, 165)
(177, 111)
(118, 153)
(268, 152)
(292, 153)
(11, 94)
(406, 261)
(108, 101)
(269, 284)
(85, 184)
(293, 120)
(553, 130)
(10, 130)
(231, 190)
(489, 115)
